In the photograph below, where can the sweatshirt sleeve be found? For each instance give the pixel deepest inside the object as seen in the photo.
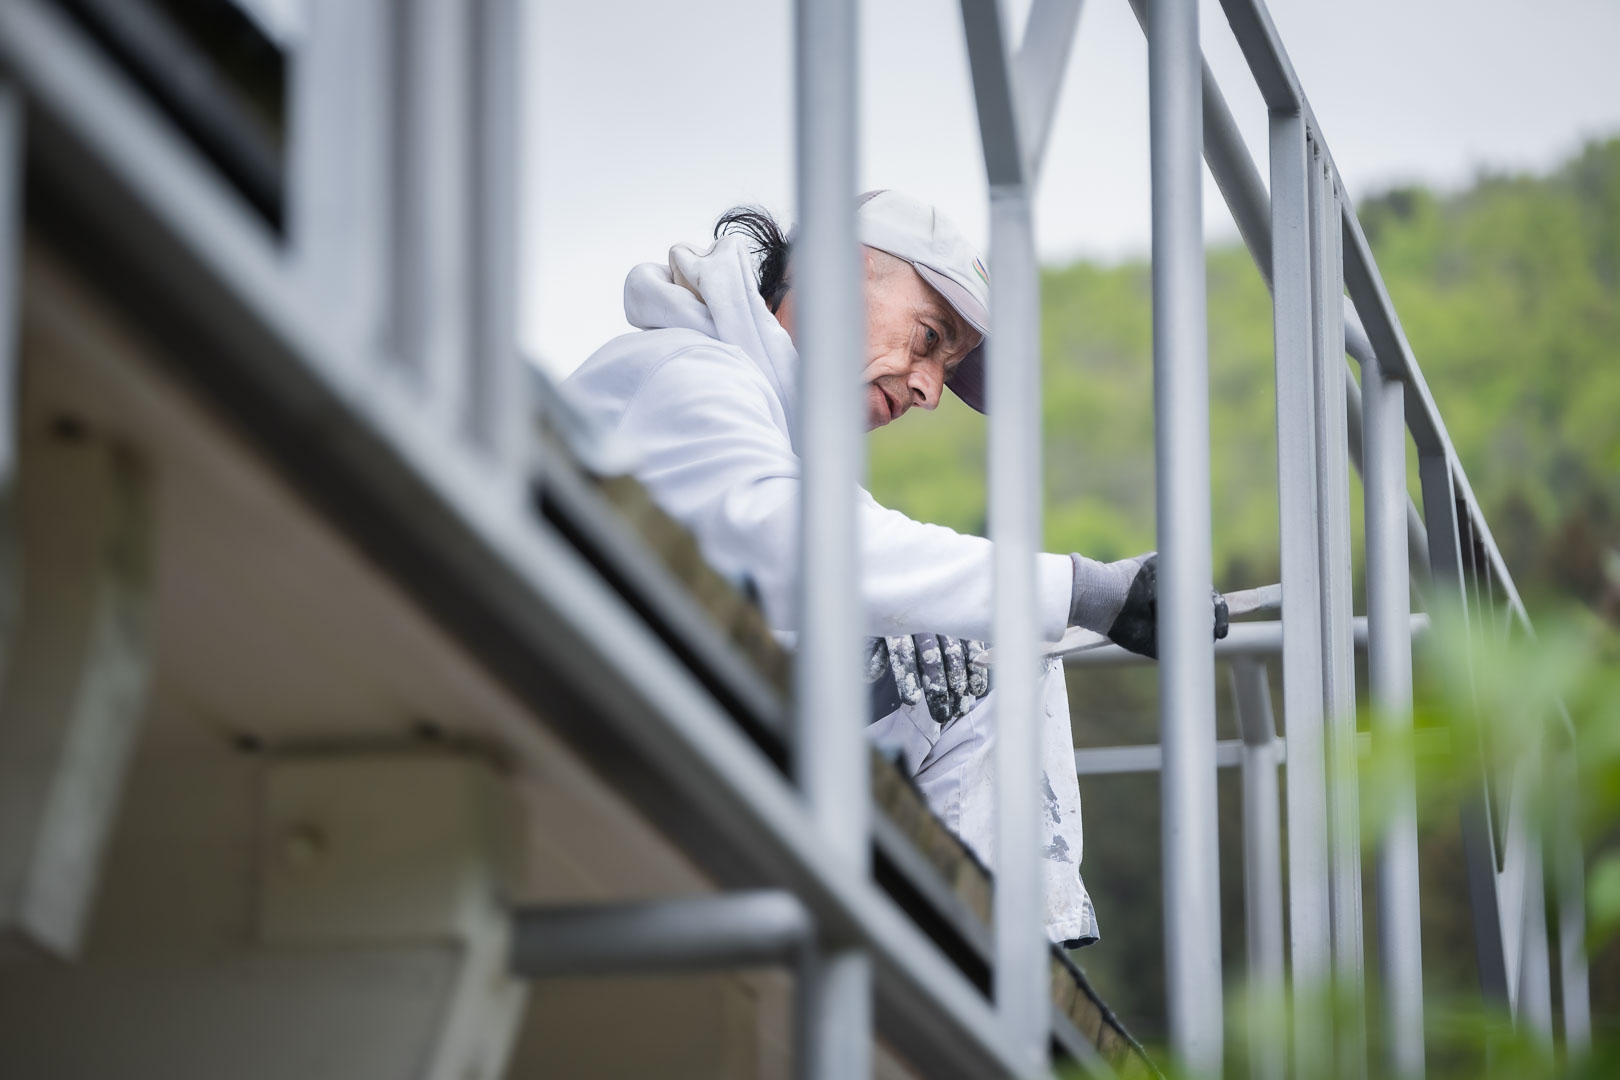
(705, 441)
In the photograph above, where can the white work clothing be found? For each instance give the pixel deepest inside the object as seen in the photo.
(955, 768)
(699, 406)
(702, 406)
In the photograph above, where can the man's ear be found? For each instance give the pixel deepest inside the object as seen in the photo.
(880, 265)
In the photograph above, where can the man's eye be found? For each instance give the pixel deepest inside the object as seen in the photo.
(930, 337)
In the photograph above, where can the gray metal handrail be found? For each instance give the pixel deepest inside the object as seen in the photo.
(1303, 235)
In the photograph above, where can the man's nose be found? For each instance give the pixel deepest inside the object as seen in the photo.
(926, 385)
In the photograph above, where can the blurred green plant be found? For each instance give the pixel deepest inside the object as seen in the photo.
(1545, 711)
(1539, 715)
(1547, 704)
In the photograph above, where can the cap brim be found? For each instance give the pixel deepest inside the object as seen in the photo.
(963, 302)
(967, 381)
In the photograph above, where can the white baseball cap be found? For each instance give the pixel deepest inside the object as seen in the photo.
(925, 238)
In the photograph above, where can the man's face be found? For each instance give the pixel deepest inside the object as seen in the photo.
(914, 340)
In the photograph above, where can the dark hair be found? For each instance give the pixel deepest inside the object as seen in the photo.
(770, 246)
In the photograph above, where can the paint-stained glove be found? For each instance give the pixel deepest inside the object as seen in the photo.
(949, 673)
(1121, 599)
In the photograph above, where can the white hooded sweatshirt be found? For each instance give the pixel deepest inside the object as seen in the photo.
(701, 404)
(698, 405)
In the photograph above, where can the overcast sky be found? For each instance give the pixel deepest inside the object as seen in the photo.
(646, 118)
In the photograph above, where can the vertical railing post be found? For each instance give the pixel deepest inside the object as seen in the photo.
(1021, 984)
(12, 151)
(495, 418)
(1569, 891)
(1338, 656)
(1262, 865)
(1389, 681)
(1309, 940)
(830, 749)
(1181, 441)
(11, 269)
(1015, 525)
(432, 302)
(339, 194)
(1451, 593)
(1535, 1014)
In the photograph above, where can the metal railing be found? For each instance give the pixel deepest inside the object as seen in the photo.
(1309, 247)
(391, 396)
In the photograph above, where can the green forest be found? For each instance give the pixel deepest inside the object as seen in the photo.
(1509, 292)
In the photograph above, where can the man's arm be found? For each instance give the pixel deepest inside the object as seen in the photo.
(703, 439)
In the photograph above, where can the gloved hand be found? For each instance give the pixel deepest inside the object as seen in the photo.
(1121, 600)
(949, 673)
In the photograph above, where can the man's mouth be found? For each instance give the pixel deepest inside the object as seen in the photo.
(883, 408)
(895, 408)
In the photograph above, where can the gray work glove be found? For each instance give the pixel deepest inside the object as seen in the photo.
(949, 673)
(1121, 600)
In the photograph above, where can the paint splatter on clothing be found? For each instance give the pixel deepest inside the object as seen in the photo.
(954, 767)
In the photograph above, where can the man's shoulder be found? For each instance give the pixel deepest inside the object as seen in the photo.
(629, 358)
(617, 372)
(680, 369)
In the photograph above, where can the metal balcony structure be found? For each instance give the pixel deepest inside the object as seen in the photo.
(351, 312)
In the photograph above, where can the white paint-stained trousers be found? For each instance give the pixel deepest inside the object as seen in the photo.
(955, 769)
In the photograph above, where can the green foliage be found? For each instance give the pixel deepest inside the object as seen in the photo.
(1524, 702)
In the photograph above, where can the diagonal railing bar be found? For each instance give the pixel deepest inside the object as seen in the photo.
(1043, 56)
(994, 92)
(1268, 61)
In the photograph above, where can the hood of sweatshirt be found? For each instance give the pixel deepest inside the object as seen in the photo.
(716, 293)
